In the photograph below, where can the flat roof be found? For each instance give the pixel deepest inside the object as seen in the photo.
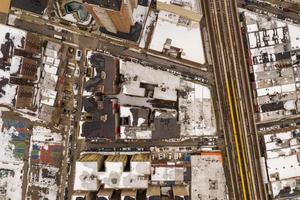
(165, 84)
(166, 125)
(5, 6)
(188, 38)
(167, 173)
(285, 167)
(135, 122)
(106, 77)
(108, 4)
(104, 119)
(86, 176)
(208, 184)
(33, 6)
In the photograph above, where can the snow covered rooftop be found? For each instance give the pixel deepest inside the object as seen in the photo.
(196, 112)
(282, 160)
(135, 74)
(183, 36)
(284, 167)
(167, 173)
(138, 127)
(208, 177)
(190, 9)
(86, 176)
(44, 135)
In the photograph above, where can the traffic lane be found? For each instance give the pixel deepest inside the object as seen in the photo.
(138, 144)
(93, 43)
(121, 51)
(237, 142)
(280, 13)
(230, 151)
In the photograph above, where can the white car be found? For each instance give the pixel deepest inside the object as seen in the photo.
(78, 55)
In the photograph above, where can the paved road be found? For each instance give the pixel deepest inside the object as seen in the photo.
(292, 14)
(118, 49)
(235, 100)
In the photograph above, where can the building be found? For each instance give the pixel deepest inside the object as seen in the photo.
(81, 195)
(144, 82)
(104, 194)
(52, 50)
(105, 76)
(175, 107)
(86, 169)
(134, 123)
(177, 32)
(153, 192)
(24, 97)
(128, 194)
(46, 113)
(114, 15)
(118, 174)
(191, 9)
(281, 164)
(24, 68)
(100, 118)
(33, 43)
(140, 163)
(208, 184)
(166, 125)
(5, 6)
(273, 63)
(32, 6)
(108, 175)
(180, 192)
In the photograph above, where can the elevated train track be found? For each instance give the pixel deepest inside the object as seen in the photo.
(234, 100)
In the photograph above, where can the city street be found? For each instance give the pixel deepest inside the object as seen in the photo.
(91, 42)
(235, 100)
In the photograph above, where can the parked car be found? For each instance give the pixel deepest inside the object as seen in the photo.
(78, 55)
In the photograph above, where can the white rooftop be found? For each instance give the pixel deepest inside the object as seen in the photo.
(208, 178)
(86, 176)
(135, 74)
(196, 112)
(285, 166)
(52, 49)
(187, 38)
(123, 180)
(167, 173)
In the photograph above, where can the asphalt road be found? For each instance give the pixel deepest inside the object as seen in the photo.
(235, 100)
(89, 42)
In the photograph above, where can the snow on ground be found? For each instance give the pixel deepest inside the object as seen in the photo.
(10, 38)
(186, 37)
(9, 94)
(15, 64)
(6, 148)
(16, 35)
(42, 134)
(140, 14)
(4, 74)
(149, 22)
(12, 182)
(10, 165)
(52, 195)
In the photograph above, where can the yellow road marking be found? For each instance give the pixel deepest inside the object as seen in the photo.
(242, 144)
(236, 140)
